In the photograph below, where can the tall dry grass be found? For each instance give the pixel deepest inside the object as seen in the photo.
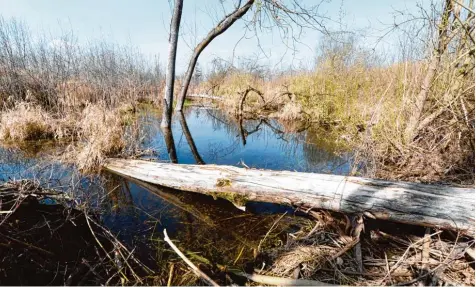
(102, 134)
(95, 133)
(26, 122)
(370, 104)
(57, 89)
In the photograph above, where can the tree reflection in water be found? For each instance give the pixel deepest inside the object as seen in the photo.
(191, 142)
(169, 141)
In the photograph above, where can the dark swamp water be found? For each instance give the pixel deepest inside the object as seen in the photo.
(207, 229)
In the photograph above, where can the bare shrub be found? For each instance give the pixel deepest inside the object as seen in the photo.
(60, 75)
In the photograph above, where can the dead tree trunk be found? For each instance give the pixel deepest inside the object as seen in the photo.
(436, 206)
(170, 76)
(241, 103)
(222, 26)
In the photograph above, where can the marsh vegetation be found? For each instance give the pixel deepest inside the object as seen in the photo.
(65, 108)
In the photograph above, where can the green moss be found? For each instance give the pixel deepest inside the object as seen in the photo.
(236, 199)
(222, 182)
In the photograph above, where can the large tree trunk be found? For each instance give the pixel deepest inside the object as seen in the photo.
(426, 205)
(224, 24)
(170, 76)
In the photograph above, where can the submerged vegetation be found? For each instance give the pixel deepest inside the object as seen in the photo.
(45, 228)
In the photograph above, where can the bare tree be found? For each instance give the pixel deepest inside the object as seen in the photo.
(170, 77)
(420, 100)
(268, 14)
(221, 27)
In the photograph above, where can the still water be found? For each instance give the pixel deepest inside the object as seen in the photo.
(207, 228)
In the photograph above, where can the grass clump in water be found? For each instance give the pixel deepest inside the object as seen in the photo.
(236, 199)
(25, 122)
(95, 132)
(101, 134)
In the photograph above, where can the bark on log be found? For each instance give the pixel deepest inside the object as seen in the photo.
(436, 206)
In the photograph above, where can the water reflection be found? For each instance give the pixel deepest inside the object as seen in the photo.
(204, 227)
(206, 135)
(188, 136)
(170, 143)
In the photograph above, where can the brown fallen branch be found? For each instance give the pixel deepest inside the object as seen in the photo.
(437, 206)
(358, 227)
(425, 253)
(346, 248)
(194, 268)
(402, 258)
(402, 273)
(244, 94)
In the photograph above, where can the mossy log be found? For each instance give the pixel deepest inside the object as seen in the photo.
(438, 206)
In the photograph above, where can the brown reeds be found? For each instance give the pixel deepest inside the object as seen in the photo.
(376, 104)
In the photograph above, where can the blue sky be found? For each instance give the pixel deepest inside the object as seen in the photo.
(144, 24)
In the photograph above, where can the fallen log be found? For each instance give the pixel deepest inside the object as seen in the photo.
(437, 206)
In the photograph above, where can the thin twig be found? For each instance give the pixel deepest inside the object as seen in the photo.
(269, 231)
(171, 274)
(395, 266)
(194, 268)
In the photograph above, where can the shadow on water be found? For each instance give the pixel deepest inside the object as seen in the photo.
(205, 228)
